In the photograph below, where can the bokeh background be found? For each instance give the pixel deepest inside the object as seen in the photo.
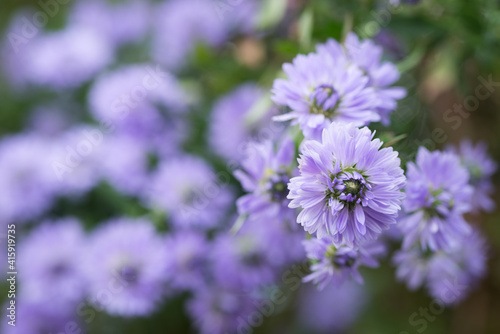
(444, 49)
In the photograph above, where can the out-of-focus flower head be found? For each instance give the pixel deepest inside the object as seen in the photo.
(348, 188)
(59, 60)
(218, 309)
(331, 264)
(233, 123)
(49, 266)
(120, 22)
(332, 309)
(449, 275)
(125, 267)
(189, 191)
(27, 182)
(187, 261)
(481, 167)
(265, 175)
(257, 254)
(437, 195)
(36, 319)
(453, 276)
(128, 99)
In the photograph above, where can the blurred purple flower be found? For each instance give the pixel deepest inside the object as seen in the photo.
(437, 195)
(27, 182)
(187, 260)
(36, 319)
(187, 188)
(321, 88)
(265, 175)
(448, 275)
(127, 99)
(348, 186)
(217, 309)
(332, 309)
(120, 23)
(231, 124)
(125, 267)
(49, 265)
(481, 168)
(412, 266)
(337, 265)
(62, 59)
(453, 276)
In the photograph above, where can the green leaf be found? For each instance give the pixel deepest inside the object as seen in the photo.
(271, 13)
(306, 23)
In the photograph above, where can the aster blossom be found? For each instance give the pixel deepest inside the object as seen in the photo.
(437, 196)
(129, 255)
(348, 186)
(265, 175)
(447, 275)
(336, 265)
(481, 167)
(381, 75)
(320, 89)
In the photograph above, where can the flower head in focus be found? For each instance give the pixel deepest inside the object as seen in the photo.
(322, 88)
(348, 188)
(381, 75)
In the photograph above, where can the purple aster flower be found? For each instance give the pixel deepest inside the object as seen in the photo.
(187, 259)
(49, 266)
(188, 190)
(453, 276)
(332, 309)
(348, 186)
(339, 264)
(481, 167)
(217, 309)
(62, 59)
(125, 267)
(412, 266)
(448, 275)
(120, 23)
(321, 88)
(128, 98)
(36, 319)
(257, 254)
(265, 175)
(232, 123)
(26, 188)
(240, 262)
(366, 55)
(437, 195)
